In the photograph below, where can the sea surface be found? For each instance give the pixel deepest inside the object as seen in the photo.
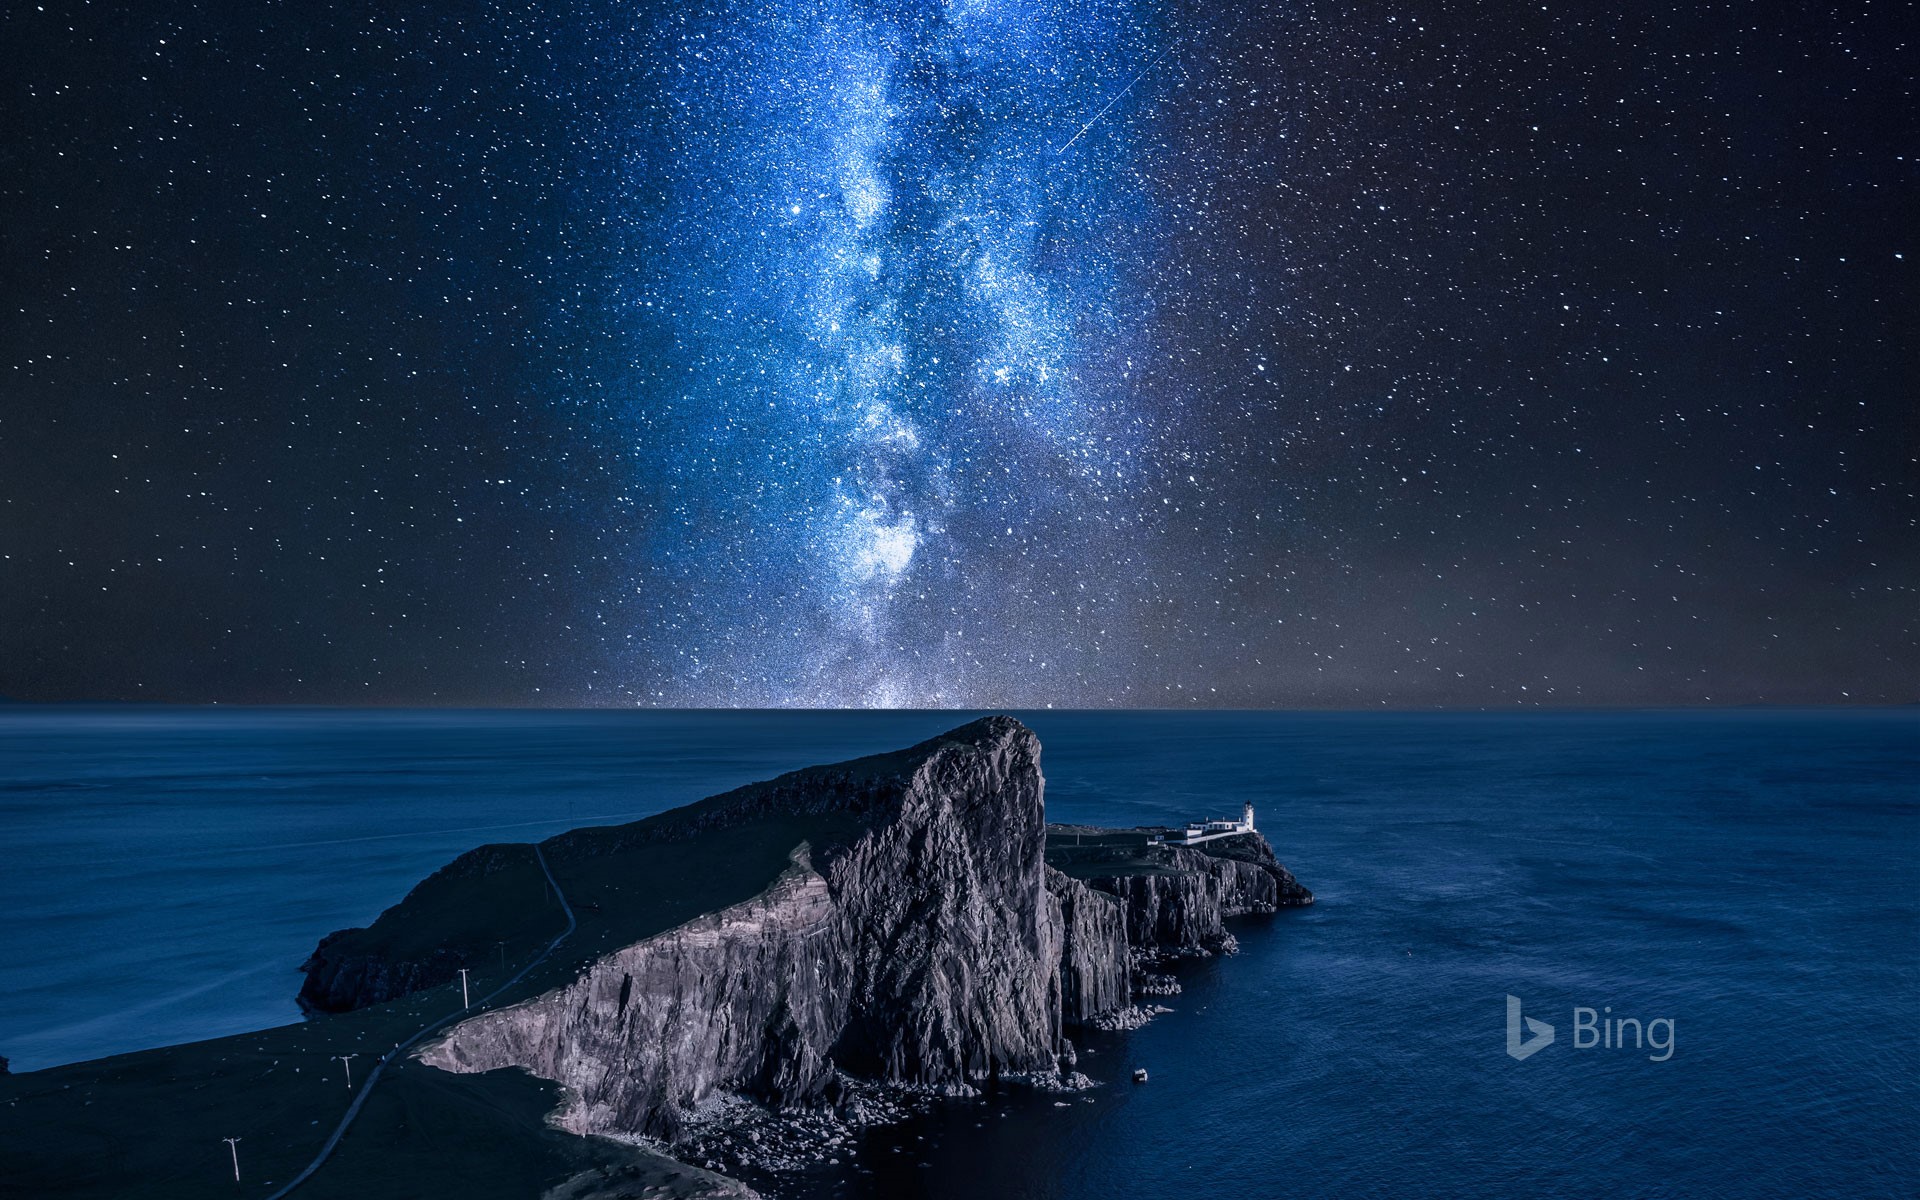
(1751, 877)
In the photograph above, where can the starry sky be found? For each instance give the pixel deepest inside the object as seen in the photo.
(980, 353)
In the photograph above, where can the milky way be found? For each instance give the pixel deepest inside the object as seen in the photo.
(975, 353)
(897, 277)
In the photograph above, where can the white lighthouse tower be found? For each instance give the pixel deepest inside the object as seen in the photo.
(1246, 821)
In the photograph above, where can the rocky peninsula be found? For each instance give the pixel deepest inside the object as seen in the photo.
(923, 932)
(714, 997)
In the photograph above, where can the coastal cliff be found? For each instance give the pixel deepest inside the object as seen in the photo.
(1095, 971)
(920, 951)
(1177, 899)
(921, 929)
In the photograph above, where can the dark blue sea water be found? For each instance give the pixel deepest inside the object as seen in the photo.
(1750, 877)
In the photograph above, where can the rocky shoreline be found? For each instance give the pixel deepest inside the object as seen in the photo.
(929, 936)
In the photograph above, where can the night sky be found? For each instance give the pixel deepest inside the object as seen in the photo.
(830, 352)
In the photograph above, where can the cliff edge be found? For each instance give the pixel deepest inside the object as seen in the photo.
(906, 920)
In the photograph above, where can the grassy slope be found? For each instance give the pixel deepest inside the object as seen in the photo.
(1089, 852)
(150, 1124)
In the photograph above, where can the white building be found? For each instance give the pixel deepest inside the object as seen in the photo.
(1197, 830)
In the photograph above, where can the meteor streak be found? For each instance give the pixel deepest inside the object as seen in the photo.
(1116, 99)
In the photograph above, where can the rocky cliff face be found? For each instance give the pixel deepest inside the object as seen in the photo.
(1253, 850)
(1181, 905)
(750, 998)
(924, 952)
(1095, 966)
(933, 946)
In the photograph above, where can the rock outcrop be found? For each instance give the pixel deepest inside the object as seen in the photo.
(922, 952)
(1095, 966)
(924, 943)
(1180, 904)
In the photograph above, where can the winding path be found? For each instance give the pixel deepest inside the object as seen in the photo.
(373, 1077)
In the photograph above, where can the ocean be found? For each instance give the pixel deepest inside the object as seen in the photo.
(1748, 881)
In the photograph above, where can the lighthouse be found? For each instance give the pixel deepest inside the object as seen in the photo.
(1246, 820)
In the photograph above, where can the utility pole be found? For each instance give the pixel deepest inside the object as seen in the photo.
(502, 947)
(233, 1145)
(346, 1060)
(464, 1002)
